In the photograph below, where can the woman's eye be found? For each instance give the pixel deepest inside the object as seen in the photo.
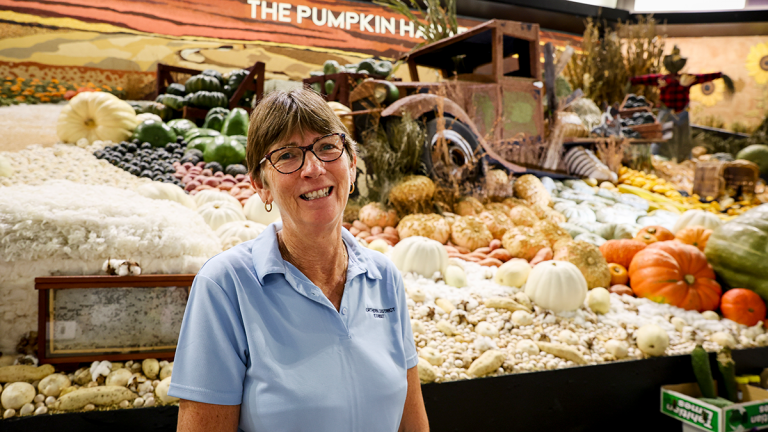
(285, 156)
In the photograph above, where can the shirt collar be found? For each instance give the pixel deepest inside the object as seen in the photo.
(267, 258)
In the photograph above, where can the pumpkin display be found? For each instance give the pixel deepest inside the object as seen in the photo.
(513, 273)
(743, 306)
(497, 222)
(556, 285)
(431, 225)
(214, 195)
(468, 206)
(738, 251)
(242, 229)
(522, 215)
(551, 231)
(659, 232)
(470, 232)
(96, 116)
(696, 236)
(588, 259)
(530, 189)
(217, 213)
(619, 275)
(697, 218)
(374, 214)
(675, 273)
(621, 251)
(167, 191)
(412, 195)
(420, 255)
(254, 210)
(524, 242)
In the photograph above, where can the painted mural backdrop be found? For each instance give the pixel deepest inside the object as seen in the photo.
(745, 60)
(119, 43)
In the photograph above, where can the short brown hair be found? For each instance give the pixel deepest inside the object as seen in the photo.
(281, 114)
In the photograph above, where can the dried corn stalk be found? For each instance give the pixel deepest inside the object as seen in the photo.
(611, 151)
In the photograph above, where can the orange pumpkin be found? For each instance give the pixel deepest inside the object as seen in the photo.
(695, 236)
(646, 238)
(621, 251)
(661, 233)
(743, 306)
(618, 274)
(675, 273)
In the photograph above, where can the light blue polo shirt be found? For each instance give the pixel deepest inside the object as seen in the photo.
(259, 333)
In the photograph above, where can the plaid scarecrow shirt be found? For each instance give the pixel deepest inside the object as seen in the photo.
(672, 93)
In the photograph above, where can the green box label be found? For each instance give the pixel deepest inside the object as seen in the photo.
(746, 418)
(689, 412)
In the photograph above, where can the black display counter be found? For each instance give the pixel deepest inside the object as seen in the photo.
(620, 396)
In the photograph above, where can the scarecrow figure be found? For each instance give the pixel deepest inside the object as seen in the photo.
(674, 89)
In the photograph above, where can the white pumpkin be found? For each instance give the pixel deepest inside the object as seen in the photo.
(591, 238)
(652, 339)
(96, 116)
(561, 205)
(141, 118)
(379, 245)
(579, 213)
(455, 276)
(214, 195)
(616, 215)
(420, 255)
(218, 213)
(599, 300)
(167, 191)
(612, 231)
(243, 229)
(254, 210)
(513, 273)
(697, 218)
(634, 201)
(580, 186)
(556, 285)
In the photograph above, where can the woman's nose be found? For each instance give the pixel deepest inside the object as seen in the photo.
(313, 166)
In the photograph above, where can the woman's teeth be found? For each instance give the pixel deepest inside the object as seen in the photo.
(316, 194)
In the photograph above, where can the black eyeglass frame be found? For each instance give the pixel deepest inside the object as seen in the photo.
(268, 156)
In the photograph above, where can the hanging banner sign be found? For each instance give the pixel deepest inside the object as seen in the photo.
(344, 25)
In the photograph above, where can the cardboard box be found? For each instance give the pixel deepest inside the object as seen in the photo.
(680, 401)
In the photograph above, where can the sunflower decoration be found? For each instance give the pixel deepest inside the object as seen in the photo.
(708, 93)
(757, 63)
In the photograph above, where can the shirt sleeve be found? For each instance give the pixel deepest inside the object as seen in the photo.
(409, 346)
(702, 78)
(211, 354)
(649, 80)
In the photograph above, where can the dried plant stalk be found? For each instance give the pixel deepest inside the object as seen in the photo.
(439, 23)
(611, 151)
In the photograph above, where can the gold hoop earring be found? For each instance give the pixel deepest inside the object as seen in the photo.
(268, 207)
(353, 189)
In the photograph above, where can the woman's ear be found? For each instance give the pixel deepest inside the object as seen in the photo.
(262, 188)
(353, 169)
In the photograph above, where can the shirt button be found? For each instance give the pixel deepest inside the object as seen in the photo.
(343, 311)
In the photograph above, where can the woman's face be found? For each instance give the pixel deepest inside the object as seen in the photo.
(316, 194)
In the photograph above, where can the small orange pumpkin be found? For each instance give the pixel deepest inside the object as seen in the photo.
(695, 236)
(621, 251)
(619, 274)
(743, 306)
(675, 273)
(646, 238)
(661, 233)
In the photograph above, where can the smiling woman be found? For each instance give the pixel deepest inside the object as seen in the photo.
(283, 325)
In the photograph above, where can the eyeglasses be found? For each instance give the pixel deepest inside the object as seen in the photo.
(287, 160)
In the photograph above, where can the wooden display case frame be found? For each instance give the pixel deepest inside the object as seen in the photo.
(44, 284)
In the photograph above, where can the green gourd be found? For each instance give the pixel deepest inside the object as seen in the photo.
(701, 368)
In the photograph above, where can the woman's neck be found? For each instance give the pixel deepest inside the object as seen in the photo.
(320, 256)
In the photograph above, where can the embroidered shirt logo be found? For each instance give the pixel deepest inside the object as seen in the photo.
(379, 313)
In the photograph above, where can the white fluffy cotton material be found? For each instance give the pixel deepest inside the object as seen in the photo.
(65, 228)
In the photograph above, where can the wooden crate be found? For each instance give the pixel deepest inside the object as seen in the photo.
(650, 131)
(254, 82)
(627, 112)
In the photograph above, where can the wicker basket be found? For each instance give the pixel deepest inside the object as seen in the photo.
(717, 178)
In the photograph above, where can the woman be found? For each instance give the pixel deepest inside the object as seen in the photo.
(300, 329)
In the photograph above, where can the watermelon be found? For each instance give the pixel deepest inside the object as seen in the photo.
(154, 132)
(758, 154)
(224, 150)
(236, 123)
